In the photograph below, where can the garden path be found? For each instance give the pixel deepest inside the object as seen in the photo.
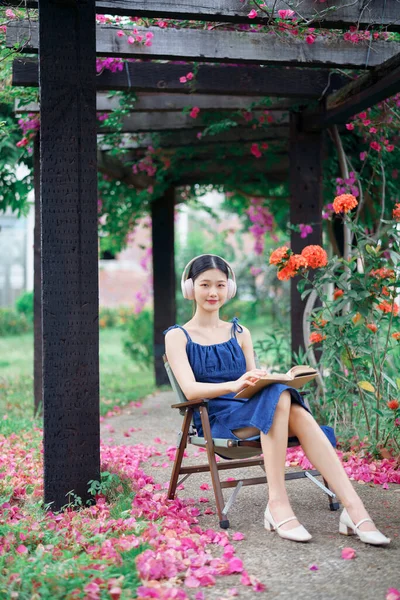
(283, 566)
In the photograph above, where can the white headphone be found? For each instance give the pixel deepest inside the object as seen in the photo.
(187, 284)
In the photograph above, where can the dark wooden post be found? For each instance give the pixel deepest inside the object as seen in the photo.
(68, 189)
(162, 230)
(37, 287)
(305, 206)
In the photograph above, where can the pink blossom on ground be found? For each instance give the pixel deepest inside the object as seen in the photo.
(348, 553)
(393, 594)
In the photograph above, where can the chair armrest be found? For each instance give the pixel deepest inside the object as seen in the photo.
(200, 402)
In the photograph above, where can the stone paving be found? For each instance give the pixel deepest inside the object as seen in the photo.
(283, 566)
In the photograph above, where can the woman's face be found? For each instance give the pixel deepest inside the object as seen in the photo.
(211, 289)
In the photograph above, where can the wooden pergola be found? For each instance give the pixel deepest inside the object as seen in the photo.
(68, 40)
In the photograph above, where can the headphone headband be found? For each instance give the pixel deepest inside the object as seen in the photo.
(187, 284)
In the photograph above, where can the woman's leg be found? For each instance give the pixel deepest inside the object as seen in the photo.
(274, 446)
(322, 455)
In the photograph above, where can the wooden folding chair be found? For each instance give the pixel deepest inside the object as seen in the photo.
(240, 453)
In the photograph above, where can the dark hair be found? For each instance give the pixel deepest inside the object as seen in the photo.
(206, 262)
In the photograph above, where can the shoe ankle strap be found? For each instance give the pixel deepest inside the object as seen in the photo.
(361, 522)
(285, 521)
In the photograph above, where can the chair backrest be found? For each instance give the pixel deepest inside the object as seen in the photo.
(174, 384)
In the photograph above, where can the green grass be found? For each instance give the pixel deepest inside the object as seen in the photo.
(120, 380)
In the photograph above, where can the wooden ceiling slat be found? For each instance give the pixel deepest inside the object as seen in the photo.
(225, 46)
(210, 79)
(327, 15)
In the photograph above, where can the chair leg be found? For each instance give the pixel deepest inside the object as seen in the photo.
(219, 499)
(332, 504)
(179, 454)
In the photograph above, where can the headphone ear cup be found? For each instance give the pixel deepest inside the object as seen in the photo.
(188, 289)
(231, 288)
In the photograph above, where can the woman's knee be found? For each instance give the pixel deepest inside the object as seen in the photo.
(285, 401)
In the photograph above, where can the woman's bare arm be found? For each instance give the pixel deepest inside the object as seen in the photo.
(248, 350)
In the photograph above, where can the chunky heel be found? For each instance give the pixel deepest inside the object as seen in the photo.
(268, 525)
(344, 529)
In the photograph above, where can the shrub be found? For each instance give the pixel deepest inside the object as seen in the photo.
(12, 323)
(24, 305)
(139, 341)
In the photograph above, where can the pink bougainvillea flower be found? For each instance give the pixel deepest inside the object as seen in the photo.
(310, 39)
(375, 146)
(393, 594)
(131, 39)
(237, 536)
(348, 553)
(255, 150)
(189, 76)
(350, 126)
(313, 567)
(204, 486)
(305, 230)
(10, 14)
(120, 33)
(396, 212)
(194, 112)
(252, 14)
(286, 14)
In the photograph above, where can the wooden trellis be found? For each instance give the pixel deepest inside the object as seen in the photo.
(265, 65)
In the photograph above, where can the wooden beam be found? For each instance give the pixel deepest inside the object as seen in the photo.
(360, 94)
(210, 79)
(243, 169)
(69, 251)
(158, 102)
(329, 15)
(164, 285)
(152, 121)
(188, 137)
(305, 183)
(224, 46)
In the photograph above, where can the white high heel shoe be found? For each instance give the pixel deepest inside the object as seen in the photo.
(297, 534)
(347, 527)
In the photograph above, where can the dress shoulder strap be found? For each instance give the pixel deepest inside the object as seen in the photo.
(236, 327)
(189, 339)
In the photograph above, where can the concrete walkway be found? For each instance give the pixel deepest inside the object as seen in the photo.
(283, 566)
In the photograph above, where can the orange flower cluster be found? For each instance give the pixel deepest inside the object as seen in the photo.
(344, 203)
(316, 337)
(279, 255)
(337, 293)
(315, 256)
(388, 307)
(290, 264)
(393, 404)
(372, 327)
(357, 318)
(292, 267)
(320, 323)
(396, 212)
(396, 336)
(383, 273)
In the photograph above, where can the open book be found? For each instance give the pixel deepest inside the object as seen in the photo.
(296, 377)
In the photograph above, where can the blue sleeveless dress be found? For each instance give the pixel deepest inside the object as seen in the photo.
(219, 363)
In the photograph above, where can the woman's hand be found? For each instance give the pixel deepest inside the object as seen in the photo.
(248, 379)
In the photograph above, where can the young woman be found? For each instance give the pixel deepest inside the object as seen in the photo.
(214, 359)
